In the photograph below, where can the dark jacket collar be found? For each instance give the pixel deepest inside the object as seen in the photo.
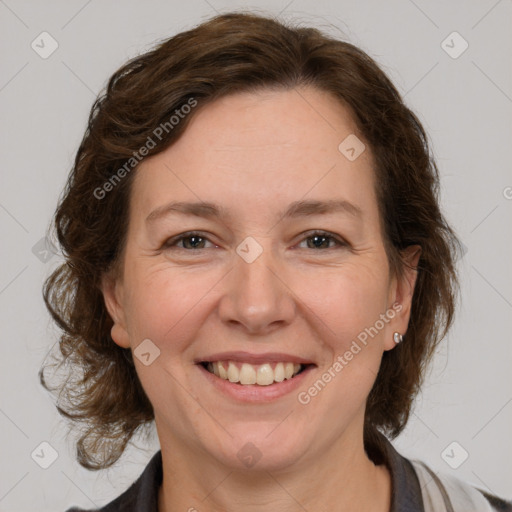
(406, 490)
(142, 496)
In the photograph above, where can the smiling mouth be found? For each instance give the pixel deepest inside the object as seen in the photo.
(247, 374)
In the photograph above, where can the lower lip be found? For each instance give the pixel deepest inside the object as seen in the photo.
(254, 393)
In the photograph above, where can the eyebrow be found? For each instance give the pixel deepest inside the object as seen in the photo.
(300, 208)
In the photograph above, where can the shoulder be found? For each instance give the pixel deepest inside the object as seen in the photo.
(442, 489)
(419, 488)
(141, 496)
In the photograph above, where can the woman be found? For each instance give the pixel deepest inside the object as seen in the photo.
(257, 261)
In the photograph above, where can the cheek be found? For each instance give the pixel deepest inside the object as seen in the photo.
(350, 302)
(165, 303)
(347, 299)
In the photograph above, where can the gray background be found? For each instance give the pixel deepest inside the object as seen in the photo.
(465, 104)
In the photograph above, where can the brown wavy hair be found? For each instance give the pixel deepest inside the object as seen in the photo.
(99, 390)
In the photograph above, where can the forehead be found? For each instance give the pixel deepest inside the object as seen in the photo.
(260, 148)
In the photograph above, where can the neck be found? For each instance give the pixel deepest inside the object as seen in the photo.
(334, 480)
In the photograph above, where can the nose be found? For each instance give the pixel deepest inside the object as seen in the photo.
(257, 298)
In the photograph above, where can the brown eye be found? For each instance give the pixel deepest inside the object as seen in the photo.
(187, 241)
(193, 242)
(322, 240)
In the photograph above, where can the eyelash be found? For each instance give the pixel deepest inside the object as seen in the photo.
(171, 242)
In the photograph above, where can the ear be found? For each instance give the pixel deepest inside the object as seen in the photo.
(401, 293)
(112, 290)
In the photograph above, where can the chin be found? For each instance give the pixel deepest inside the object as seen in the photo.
(261, 447)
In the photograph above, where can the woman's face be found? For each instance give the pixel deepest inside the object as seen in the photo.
(253, 287)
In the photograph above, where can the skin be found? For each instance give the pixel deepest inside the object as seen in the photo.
(254, 154)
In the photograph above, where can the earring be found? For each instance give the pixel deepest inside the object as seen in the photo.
(397, 337)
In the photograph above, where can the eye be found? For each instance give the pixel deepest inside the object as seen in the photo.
(195, 240)
(322, 239)
(190, 240)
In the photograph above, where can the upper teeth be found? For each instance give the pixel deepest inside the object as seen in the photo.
(262, 374)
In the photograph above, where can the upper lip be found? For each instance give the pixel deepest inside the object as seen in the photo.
(247, 357)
